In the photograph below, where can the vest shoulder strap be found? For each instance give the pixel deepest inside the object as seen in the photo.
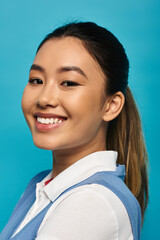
(22, 207)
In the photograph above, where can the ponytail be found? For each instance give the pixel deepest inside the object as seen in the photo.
(125, 136)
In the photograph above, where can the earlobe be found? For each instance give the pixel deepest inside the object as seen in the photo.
(114, 106)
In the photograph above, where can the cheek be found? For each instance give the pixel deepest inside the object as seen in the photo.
(86, 102)
(27, 100)
(84, 106)
(24, 101)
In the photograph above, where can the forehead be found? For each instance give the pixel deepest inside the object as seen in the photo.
(64, 52)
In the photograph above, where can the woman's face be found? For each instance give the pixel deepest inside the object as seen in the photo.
(62, 103)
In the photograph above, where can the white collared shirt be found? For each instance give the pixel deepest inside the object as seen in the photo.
(89, 212)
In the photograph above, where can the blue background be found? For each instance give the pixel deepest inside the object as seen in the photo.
(23, 24)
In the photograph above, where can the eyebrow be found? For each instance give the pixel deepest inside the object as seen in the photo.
(60, 69)
(71, 68)
(38, 68)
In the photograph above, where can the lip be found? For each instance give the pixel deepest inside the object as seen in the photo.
(49, 115)
(46, 127)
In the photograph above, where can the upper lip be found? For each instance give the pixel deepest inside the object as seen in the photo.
(48, 115)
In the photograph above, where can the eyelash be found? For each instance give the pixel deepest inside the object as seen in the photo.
(73, 84)
(32, 81)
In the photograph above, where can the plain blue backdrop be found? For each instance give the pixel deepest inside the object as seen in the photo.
(23, 24)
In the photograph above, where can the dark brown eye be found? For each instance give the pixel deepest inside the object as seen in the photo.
(35, 81)
(69, 83)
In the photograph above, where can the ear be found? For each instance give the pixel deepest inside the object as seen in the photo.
(114, 105)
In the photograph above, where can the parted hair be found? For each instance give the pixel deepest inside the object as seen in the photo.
(124, 133)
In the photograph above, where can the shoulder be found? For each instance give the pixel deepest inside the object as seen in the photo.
(93, 212)
(113, 204)
(107, 205)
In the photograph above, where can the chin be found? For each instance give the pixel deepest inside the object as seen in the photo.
(42, 145)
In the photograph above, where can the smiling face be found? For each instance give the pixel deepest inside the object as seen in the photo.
(66, 81)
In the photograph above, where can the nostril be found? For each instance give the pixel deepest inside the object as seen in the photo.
(44, 102)
(41, 104)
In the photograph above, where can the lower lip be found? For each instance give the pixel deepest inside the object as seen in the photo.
(45, 127)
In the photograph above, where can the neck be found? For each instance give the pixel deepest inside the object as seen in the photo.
(62, 159)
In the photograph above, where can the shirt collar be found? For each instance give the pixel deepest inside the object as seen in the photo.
(80, 170)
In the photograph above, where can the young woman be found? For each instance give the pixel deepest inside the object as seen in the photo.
(77, 104)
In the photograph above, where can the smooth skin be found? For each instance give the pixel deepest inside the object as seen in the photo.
(82, 101)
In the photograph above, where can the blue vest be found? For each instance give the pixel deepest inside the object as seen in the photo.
(113, 180)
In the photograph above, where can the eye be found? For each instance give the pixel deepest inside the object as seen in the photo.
(69, 84)
(35, 81)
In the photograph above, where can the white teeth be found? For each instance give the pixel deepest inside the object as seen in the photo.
(48, 120)
(56, 120)
(38, 119)
(43, 120)
(51, 120)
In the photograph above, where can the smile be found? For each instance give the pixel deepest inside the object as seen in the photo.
(49, 120)
(46, 124)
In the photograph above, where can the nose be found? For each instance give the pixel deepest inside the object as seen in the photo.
(48, 97)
